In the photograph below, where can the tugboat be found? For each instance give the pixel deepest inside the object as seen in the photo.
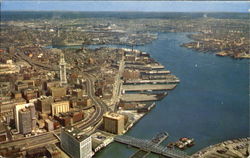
(182, 143)
(171, 145)
(189, 142)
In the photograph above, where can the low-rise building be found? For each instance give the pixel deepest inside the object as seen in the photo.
(49, 125)
(16, 95)
(77, 93)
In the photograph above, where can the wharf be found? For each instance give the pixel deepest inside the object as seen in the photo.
(156, 66)
(157, 72)
(145, 67)
(142, 97)
(171, 77)
(153, 87)
(152, 81)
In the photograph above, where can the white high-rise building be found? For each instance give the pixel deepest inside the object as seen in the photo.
(76, 144)
(16, 113)
(63, 77)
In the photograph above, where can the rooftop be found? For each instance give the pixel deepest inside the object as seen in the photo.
(113, 115)
(76, 133)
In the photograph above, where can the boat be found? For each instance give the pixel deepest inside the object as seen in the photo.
(188, 141)
(223, 53)
(182, 143)
(171, 145)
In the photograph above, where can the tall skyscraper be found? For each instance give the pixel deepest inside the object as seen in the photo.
(16, 113)
(63, 77)
(25, 121)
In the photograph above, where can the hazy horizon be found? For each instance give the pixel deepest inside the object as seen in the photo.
(128, 6)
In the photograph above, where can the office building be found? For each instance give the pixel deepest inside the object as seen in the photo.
(16, 113)
(44, 104)
(59, 107)
(58, 92)
(76, 144)
(113, 123)
(25, 121)
(29, 94)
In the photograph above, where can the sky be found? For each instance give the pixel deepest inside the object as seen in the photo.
(142, 6)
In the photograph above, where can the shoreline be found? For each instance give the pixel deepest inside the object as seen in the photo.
(224, 147)
(137, 113)
(203, 45)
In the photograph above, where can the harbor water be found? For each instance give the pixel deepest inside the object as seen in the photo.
(210, 104)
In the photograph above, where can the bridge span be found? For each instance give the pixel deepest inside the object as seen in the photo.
(149, 146)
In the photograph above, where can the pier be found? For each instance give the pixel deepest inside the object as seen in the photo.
(145, 67)
(157, 72)
(149, 146)
(148, 87)
(152, 81)
(142, 97)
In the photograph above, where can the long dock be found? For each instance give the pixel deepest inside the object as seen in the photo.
(147, 145)
(152, 81)
(141, 97)
(155, 72)
(153, 87)
(145, 67)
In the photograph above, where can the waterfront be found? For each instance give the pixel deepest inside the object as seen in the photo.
(210, 104)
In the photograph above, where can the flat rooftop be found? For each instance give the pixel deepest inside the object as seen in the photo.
(76, 133)
(113, 115)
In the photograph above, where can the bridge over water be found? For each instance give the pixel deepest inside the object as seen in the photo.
(148, 145)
